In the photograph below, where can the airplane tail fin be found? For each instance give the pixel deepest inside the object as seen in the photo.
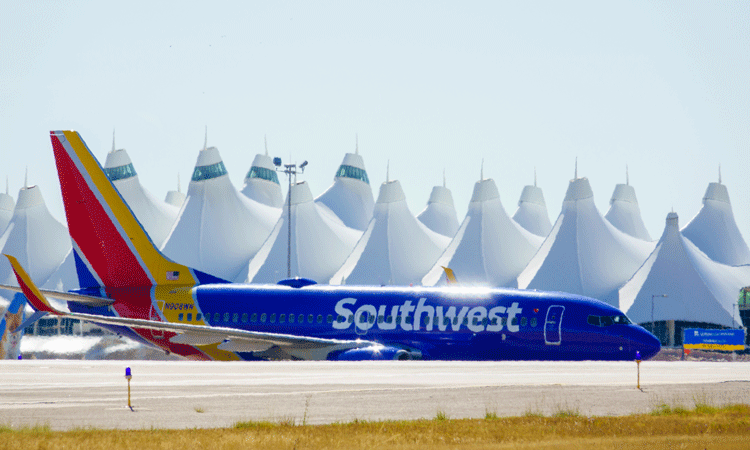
(111, 247)
(10, 335)
(450, 277)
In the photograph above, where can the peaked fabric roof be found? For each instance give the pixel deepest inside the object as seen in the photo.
(489, 248)
(157, 217)
(583, 253)
(64, 277)
(218, 229)
(440, 215)
(320, 242)
(7, 205)
(350, 197)
(38, 240)
(697, 289)
(395, 249)
(714, 230)
(625, 214)
(532, 211)
(262, 183)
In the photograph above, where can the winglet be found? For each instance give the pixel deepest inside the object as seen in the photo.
(449, 275)
(32, 293)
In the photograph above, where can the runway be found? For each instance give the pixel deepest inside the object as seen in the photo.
(177, 394)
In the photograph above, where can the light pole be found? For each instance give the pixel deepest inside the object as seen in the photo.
(652, 310)
(289, 170)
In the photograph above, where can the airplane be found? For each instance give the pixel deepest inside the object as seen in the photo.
(131, 288)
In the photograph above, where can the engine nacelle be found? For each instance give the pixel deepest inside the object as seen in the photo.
(375, 353)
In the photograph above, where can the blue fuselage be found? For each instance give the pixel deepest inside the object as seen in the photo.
(440, 323)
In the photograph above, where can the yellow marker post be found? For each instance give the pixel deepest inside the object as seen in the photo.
(638, 363)
(128, 376)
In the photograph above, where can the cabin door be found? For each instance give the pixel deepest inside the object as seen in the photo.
(553, 325)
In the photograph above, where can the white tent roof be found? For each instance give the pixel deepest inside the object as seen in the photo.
(714, 230)
(625, 214)
(320, 243)
(350, 196)
(157, 217)
(440, 215)
(38, 240)
(583, 253)
(697, 289)
(532, 211)
(218, 230)
(65, 277)
(489, 248)
(7, 205)
(262, 183)
(395, 248)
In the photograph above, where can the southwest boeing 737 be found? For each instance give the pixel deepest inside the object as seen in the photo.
(130, 287)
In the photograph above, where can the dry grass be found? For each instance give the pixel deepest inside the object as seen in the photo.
(725, 427)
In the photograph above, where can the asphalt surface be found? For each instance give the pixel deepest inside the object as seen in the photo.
(176, 394)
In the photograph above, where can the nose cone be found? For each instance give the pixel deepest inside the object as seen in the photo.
(645, 343)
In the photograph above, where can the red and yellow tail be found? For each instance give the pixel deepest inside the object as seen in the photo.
(113, 248)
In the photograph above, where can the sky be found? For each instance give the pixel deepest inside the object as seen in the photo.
(425, 87)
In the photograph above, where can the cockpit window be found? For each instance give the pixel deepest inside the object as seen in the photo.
(605, 321)
(263, 173)
(209, 172)
(353, 172)
(121, 172)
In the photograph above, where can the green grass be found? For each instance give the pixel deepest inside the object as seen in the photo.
(665, 427)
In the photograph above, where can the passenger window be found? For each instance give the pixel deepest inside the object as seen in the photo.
(179, 317)
(263, 317)
(533, 322)
(362, 318)
(514, 321)
(475, 321)
(226, 317)
(291, 318)
(329, 319)
(426, 320)
(446, 321)
(320, 318)
(254, 318)
(310, 318)
(494, 321)
(409, 319)
(524, 321)
(282, 318)
(235, 317)
(216, 317)
(455, 320)
(381, 319)
(189, 317)
(301, 318)
(371, 319)
(273, 318)
(198, 317)
(341, 319)
(466, 320)
(484, 322)
(351, 318)
(244, 317)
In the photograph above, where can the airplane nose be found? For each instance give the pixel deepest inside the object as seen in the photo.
(645, 343)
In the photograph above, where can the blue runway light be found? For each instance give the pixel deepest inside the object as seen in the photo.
(127, 372)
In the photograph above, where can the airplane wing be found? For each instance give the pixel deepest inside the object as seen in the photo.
(229, 339)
